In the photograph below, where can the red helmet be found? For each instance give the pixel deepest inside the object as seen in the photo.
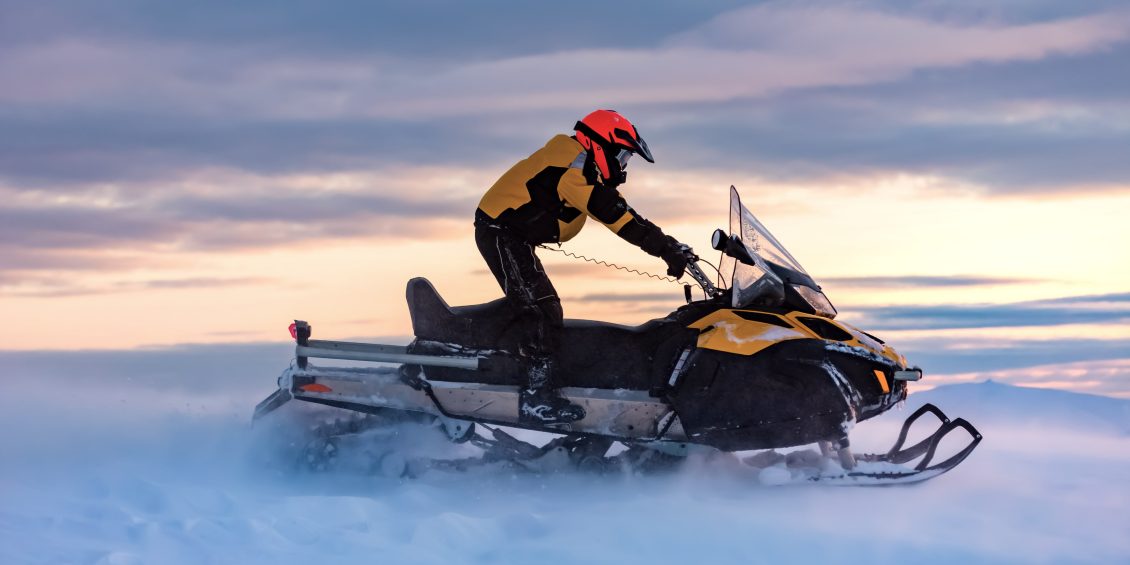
(611, 139)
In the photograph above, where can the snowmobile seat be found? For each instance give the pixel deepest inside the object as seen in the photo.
(477, 326)
(593, 354)
(483, 325)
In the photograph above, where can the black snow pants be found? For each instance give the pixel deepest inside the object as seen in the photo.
(519, 272)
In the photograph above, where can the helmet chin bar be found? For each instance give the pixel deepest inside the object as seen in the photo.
(618, 175)
(608, 165)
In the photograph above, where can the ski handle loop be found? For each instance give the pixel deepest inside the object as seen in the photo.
(896, 453)
(928, 446)
(957, 457)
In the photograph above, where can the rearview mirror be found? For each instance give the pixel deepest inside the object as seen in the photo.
(718, 240)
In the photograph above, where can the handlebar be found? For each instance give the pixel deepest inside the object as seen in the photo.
(700, 277)
(696, 273)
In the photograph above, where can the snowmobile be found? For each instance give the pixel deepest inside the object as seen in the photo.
(759, 363)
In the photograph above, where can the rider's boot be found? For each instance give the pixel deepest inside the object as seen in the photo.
(539, 402)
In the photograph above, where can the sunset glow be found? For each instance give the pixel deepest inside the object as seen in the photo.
(955, 178)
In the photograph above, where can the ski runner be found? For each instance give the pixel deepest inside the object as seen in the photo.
(545, 198)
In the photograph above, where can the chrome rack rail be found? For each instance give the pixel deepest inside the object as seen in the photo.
(371, 352)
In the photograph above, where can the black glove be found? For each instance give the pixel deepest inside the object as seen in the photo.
(676, 255)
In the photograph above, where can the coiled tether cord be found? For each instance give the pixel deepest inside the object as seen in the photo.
(638, 272)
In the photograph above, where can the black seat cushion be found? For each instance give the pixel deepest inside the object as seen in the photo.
(593, 354)
(481, 326)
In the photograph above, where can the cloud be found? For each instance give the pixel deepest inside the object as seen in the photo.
(65, 226)
(133, 129)
(136, 92)
(45, 235)
(910, 281)
(1057, 124)
(633, 298)
(1094, 309)
(738, 54)
(71, 148)
(312, 207)
(745, 53)
(350, 26)
(30, 258)
(1001, 11)
(977, 355)
(38, 287)
(1107, 377)
(1041, 155)
(1093, 299)
(212, 215)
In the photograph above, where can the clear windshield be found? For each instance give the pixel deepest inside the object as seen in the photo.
(757, 237)
(758, 281)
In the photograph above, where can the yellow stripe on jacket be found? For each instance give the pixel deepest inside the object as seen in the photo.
(546, 196)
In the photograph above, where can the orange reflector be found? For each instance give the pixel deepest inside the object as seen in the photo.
(882, 381)
(315, 387)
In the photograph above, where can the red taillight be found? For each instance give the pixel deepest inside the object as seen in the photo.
(316, 387)
(294, 330)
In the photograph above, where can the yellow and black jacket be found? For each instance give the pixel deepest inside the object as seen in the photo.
(547, 197)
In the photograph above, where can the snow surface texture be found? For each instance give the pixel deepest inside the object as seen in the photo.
(126, 472)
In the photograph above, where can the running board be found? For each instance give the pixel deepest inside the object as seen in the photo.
(622, 414)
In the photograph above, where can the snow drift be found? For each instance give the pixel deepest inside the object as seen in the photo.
(98, 471)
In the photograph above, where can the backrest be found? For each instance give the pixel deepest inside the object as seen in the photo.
(426, 307)
(477, 326)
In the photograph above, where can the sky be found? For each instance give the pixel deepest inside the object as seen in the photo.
(181, 179)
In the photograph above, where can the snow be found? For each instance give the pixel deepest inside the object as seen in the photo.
(123, 472)
(775, 475)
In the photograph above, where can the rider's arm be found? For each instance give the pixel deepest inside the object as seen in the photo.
(607, 206)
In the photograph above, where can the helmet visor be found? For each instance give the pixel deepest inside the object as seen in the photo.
(634, 142)
(623, 157)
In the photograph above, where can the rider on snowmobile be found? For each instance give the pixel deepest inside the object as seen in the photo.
(545, 198)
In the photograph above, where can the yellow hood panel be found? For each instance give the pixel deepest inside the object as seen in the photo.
(725, 330)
